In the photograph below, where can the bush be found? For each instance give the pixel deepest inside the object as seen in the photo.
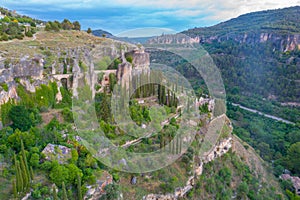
(67, 115)
(20, 118)
(28, 34)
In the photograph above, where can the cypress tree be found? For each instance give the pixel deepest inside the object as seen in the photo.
(188, 105)
(79, 187)
(153, 89)
(25, 159)
(168, 99)
(164, 100)
(20, 184)
(160, 140)
(17, 174)
(180, 144)
(159, 93)
(65, 196)
(177, 145)
(54, 193)
(170, 146)
(24, 174)
(31, 173)
(173, 147)
(14, 188)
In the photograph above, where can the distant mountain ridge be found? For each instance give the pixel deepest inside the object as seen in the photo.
(101, 33)
(284, 20)
(281, 26)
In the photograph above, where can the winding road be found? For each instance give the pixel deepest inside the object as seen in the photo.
(263, 114)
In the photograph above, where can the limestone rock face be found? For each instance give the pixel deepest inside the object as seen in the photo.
(140, 59)
(28, 86)
(174, 39)
(28, 67)
(282, 42)
(140, 63)
(219, 150)
(58, 96)
(10, 94)
(124, 68)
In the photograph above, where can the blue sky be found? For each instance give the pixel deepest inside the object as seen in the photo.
(117, 16)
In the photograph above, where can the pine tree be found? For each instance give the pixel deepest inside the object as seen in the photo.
(54, 193)
(65, 197)
(79, 187)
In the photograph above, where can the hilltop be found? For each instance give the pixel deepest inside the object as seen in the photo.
(281, 21)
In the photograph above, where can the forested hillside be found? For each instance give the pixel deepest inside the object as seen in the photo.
(259, 57)
(274, 21)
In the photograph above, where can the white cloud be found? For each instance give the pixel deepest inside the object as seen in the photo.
(223, 10)
(219, 8)
(178, 14)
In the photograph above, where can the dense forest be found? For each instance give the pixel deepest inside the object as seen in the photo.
(257, 74)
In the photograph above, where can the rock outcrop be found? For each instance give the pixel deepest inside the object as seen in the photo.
(220, 149)
(174, 39)
(140, 64)
(281, 42)
(27, 67)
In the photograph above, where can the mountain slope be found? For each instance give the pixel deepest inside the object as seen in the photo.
(273, 21)
(258, 55)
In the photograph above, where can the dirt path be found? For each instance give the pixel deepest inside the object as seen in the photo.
(49, 115)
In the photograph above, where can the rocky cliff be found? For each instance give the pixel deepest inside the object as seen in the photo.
(280, 28)
(280, 42)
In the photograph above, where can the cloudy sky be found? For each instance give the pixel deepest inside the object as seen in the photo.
(117, 16)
